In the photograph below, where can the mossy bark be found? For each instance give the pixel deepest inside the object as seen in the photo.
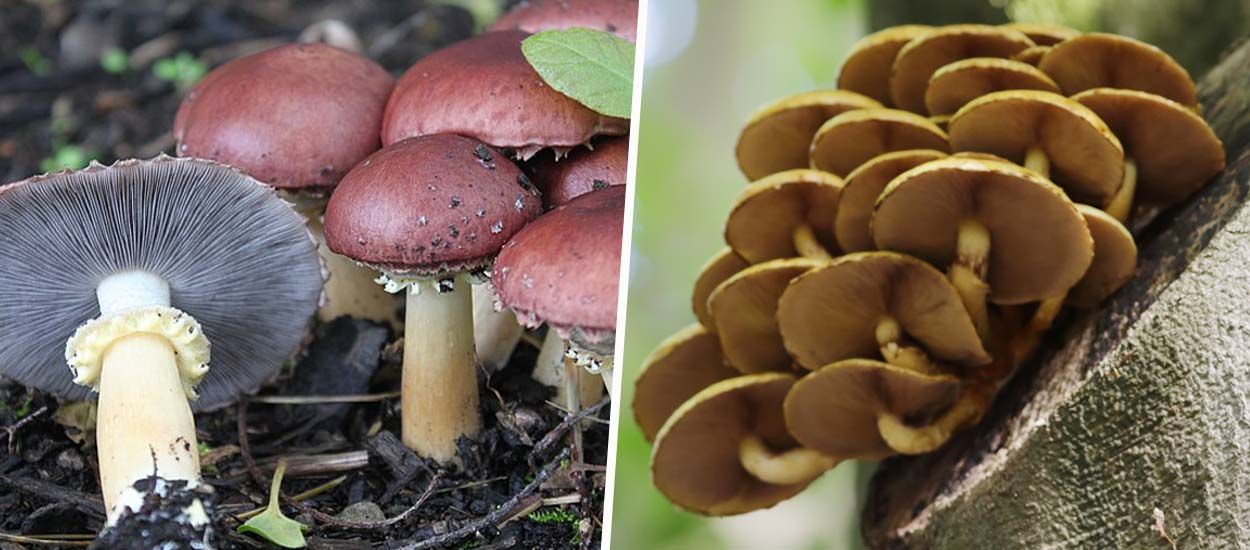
(1136, 411)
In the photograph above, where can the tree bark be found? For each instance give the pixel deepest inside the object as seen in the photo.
(1136, 411)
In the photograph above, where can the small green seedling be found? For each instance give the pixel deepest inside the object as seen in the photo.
(184, 70)
(595, 68)
(114, 61)
(35, 61)
(66, 157)
(271, 524)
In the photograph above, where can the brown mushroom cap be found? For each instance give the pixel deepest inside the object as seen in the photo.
(850, 139)
(867, 68)
(679, 368)
(1115, 259)
(924, 55)
(1044, 34)
(1100, 60)
(834, 410)
(761, 225)
(582, 171)
(1086, 159)
(954, 85)
(778, 136)
(831, 312)
(484, 88)
(1040, 245)
(1174, 149)
(744, 308)
(717, 269)
(614, 16)
(429, 206)
(695, 461)
(295, 116)
(863, 186)
(564, 268)
(1033, 56)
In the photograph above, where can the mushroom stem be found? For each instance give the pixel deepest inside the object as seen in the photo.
(898, 351)
(1121, 205)
(1035, 159)
(573, 402)
(350, 289)
(549, 371)
(495, 333)
(1030, 336)
(807, 245)
(439, 391)
(145, 427)
(969, 271)
(914, 440)
(791, 467)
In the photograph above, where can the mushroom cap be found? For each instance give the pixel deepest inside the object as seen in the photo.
(761, 225)
(852, 138)
(1174, 149)
(1044, 34)
(679, 368)
(717, 269)
(1099, 60)
(564, 268)
(834, 410)
(925, 54)
(954, 85)
(867, 68)
(214, 235)
(615, 16)
(744, 308)
(863, 186)
(1086, 159)
(778, 136)
(1040, 245)
(695, 461)
(1033, 56)
(1115, 259)
(296, 116)
(429, 206)
(484, 88)
(582, 171)
(831, 312)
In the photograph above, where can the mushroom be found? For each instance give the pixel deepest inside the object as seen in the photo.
(720, 267)
(869, 303)
(863, 186)
(779, 135)
(1099, 60)
(1033, 56)
(867, 68)
(868, 410)
(1170, 152)
(954, 85)
(151, 260)
(784, 215)
(1050, 134)
(925, 54)
(614, 16)
(1115, 259)
(1043, 34)
(680, 367)
(726, 451)
(296, 117)
(980, 219)
(561, 180)
(850, 139)
(429, 213)
(744, 310)
(484, 88)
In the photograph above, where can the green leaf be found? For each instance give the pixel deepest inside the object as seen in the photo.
(595, 68)
(114, 61)
(271, 525)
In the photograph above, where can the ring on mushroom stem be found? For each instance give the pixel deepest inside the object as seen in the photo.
(785, 215)
(847, 141)
(778, 136)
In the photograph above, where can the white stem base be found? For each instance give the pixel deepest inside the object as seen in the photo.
(549, 371)
(350, 289)
(496, 333)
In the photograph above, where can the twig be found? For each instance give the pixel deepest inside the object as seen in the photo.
(88, 504)
(554, 435)
(61, 540)
(323, 399)
(11, 431)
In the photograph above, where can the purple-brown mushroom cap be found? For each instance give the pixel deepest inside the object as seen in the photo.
(429, 206)
(297, 116)
(582, 171)
(615, 16)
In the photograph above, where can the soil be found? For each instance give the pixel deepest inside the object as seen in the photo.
(59, 103)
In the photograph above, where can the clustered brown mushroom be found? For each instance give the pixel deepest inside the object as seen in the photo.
(905, 243)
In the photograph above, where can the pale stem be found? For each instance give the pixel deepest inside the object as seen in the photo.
(1024, 343)
(573, 402)
(1035, 159)
(350, 289)
(898, 351)
(786, 468)
(439, 390)
(549, 371)
(807, 245)
(913, 440)
(496, 333)
(969, 272)
(1121, 205)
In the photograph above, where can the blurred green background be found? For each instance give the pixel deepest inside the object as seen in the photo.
(708, 65)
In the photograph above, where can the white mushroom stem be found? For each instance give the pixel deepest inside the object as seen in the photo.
(786, 468)
(495, 333)
(549, 370)
(969, 271)
(914, 440)
(1035, 159)
(350, 289)
(1121, 205)
(897, 351)
(1026, 341)
(807, 245)
(439, 390)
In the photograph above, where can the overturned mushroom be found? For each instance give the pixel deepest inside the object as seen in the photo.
(726, 451)
(719, 268)
(863, 186)
(867, 68)
(615, 16)
(925, 54)
(583, 171)
(954, 85)
(682, 365)
(778, 137)
(744, 309)
(784, 215)
(1099, 60)
(850, 139)
(152, 261)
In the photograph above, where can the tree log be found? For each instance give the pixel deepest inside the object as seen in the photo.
(1135, 419)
